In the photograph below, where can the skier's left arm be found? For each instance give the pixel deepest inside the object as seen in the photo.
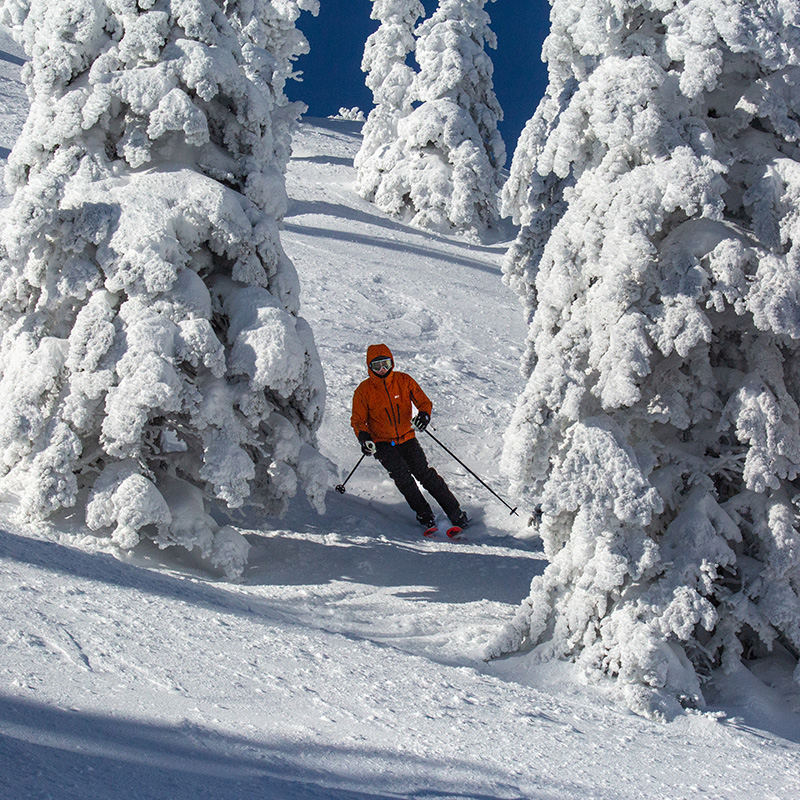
(422, 403)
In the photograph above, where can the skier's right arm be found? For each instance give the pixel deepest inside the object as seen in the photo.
(359, 422)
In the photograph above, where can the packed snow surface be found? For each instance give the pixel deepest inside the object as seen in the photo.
(347, 662)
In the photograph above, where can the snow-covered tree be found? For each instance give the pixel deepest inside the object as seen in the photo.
(389, 78)
(444, 170)
(270, 27)
(152, 356)
(658, 189)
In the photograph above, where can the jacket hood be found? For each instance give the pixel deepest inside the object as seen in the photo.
(378, 351)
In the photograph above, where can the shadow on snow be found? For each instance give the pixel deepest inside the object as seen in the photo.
(76, 755)
(448, 571)
(338, 161)
(373, 241)
(373, 216)
(11, 59)
(284, 559)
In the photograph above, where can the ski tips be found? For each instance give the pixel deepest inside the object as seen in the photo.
(452, 533)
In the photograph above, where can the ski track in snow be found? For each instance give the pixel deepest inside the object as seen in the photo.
(346, 665)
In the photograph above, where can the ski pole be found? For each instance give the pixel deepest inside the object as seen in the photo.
(340, 487)
(513, 510)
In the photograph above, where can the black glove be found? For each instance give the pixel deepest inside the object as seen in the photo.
(368, 447)
(420, 422)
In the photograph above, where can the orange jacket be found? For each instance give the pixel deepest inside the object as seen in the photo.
(382, 406)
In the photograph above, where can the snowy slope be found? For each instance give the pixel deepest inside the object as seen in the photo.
(347, 662)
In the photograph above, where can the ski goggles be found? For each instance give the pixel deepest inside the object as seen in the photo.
(378, 364)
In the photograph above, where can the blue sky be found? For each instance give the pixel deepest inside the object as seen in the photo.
(332, 75)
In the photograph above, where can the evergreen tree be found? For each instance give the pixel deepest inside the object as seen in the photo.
(443, 171)
(657, 188)
(152, 355)
(389, 78)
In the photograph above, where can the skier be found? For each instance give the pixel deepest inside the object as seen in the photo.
(382, 422)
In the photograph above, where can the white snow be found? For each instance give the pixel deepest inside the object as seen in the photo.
(346, 664)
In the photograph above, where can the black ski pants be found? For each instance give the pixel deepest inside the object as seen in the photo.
(407, 461)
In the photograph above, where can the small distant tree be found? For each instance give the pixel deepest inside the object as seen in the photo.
(444, 170)
(389, 78)
(152, 355)
(657, 187)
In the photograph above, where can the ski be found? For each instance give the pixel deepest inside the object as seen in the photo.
(452, 533)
